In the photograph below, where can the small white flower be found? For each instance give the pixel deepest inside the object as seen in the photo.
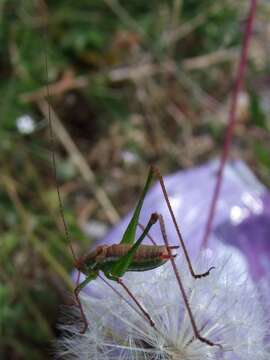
(25, 124)
(129, 157)
(226, 307)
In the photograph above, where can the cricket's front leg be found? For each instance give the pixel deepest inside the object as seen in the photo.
(77, 290)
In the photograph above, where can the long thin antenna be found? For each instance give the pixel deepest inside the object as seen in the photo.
(52, 145)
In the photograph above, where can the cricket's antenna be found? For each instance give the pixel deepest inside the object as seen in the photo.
(52, 145)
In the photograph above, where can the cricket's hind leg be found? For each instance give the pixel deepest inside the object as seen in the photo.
(154, 170)
(181, 287)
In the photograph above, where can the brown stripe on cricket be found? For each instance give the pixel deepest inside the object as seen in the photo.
(147, 257)
(129, 254)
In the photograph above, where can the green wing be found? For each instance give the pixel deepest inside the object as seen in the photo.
(129, 235)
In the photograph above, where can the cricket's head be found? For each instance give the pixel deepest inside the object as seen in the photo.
(86, 263)
(80, 264)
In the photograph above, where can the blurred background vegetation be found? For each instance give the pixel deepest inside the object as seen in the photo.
(132, 83)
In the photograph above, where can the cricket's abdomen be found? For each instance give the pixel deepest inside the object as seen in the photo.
(103, 258)
(147, 257)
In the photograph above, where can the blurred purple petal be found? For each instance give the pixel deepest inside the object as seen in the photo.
(252, 237)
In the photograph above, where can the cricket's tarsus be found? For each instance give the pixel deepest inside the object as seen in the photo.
(199, 276)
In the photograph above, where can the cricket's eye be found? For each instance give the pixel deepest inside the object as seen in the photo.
(79, 263)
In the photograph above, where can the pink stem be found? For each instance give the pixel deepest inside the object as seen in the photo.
(231, 118)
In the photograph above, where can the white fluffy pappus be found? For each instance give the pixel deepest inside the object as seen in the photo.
(226, 307)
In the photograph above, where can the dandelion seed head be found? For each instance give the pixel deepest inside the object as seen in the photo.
(226, 307)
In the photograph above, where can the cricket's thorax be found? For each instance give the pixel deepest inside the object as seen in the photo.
(147, 257)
